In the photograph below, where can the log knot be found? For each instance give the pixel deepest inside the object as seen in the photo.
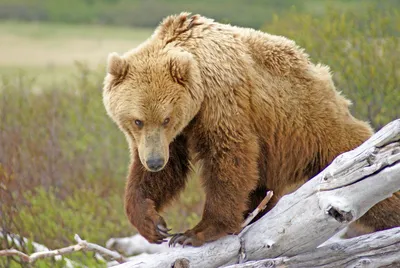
(181, 263)
(340, 215)
(363, 263)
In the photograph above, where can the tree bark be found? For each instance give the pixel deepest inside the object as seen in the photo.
(300, 222)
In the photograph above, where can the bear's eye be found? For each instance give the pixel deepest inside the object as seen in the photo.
(139, 123)
(166, 121)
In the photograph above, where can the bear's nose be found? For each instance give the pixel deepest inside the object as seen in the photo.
(155, 163)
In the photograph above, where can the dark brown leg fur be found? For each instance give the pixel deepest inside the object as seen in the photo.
(229, 176)
(146, 193)
(258, 194)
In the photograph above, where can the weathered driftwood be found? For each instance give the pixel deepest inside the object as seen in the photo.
(380, 249)
(339, 195)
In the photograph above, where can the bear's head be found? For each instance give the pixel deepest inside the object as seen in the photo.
(152, 96)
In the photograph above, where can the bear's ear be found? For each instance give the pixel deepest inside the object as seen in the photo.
(180, 65)
(116, 65)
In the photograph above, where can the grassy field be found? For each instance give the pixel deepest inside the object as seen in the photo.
(49, 52)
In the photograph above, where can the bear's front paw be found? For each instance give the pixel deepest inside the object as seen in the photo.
(153, 226)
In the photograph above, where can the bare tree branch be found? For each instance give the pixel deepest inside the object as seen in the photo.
(19, 244)
(82, 245)
(14, 252)
(96, 248)
(258, 209)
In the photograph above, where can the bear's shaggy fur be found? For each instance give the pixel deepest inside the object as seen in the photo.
(250, 106)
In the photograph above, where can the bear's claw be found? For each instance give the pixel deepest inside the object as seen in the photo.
(181, 238)
(163, 231)
(176, 239)
(188, 241)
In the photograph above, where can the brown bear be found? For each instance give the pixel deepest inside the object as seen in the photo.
(250, 106)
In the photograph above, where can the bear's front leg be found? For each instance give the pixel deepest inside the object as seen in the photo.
(229, 175)
(146, 193)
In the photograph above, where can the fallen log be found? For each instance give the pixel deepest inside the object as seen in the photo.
(380, 249)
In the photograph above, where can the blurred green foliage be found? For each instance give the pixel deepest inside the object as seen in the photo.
(252, 13)
(63, 162)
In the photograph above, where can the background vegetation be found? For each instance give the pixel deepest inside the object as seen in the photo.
(253, 13)
(63, 162)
